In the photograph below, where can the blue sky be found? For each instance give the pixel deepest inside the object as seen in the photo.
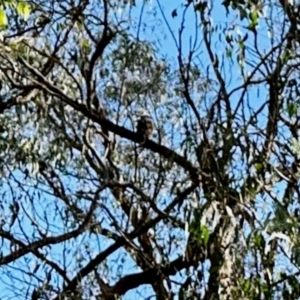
(166, 47)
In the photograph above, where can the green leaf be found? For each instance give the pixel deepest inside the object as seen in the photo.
(246, 285)
(228, 53)
(23, 10)
(292, 109)
(85, 45)
(204, 234)
(243, 13)
(3, 18)
(258, 240)
(254, 19)
(258, 166)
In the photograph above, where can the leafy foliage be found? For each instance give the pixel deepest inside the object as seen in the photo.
(207, 208)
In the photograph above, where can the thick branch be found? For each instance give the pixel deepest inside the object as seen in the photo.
(149, 276)
(121, 131)
(43, 242)
(142, 229)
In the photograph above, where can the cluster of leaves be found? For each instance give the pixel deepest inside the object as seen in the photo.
(21, 7)
(208, 208)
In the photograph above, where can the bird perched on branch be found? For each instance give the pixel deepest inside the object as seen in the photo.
(145, 125)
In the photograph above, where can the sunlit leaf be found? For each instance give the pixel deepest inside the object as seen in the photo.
(23, 10)
(204, 234)
(3, 18)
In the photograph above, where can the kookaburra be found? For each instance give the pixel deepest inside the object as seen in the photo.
(145, 125)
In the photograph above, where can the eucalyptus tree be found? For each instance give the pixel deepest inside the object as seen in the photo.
(206, 207)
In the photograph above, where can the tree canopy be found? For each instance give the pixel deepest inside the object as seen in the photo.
(207, 207)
